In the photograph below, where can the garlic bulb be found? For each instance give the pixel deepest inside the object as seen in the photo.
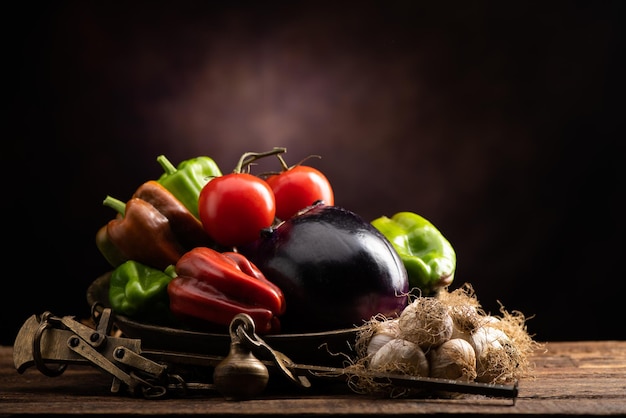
(426, 322)
(377, 342)
(487, 337)
(387, 327)
(465, 318)
(454, 359)
(496, 355)
(377, 334)
(402, 356)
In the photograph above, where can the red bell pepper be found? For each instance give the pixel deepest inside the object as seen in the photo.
(246, 266)
(214, 287)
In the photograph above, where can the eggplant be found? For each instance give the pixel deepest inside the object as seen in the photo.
(335, 269)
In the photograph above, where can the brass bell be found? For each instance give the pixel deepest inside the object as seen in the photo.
(240, 375)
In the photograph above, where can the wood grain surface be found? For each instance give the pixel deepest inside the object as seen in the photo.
(569, 378)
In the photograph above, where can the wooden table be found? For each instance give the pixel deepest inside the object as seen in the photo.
(570, 378)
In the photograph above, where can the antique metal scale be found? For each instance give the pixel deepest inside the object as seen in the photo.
(51, 343)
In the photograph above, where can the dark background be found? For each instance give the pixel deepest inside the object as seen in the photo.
(500, 122)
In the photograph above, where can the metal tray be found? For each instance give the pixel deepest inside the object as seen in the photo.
(330, 348)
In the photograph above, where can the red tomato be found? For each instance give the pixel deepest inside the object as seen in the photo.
(235, 207)
(298, 187)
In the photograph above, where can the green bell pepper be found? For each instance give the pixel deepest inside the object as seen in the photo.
(429, 258)
(187, 180)
(139, 291)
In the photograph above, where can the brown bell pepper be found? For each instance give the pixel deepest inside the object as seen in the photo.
(214, 287)
(142, 234)
(186, 227)
(108, 249)
(186, 231)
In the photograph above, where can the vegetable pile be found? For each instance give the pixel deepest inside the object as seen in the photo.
(195, 247)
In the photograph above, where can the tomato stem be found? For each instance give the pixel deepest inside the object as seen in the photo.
(284, 165)
(249, 157)
(306, 158)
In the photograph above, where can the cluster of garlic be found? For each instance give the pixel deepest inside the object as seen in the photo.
(447, 336)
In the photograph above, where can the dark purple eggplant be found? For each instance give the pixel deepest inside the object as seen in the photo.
(335, 269)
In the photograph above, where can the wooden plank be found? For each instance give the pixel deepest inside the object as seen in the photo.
(570, 378)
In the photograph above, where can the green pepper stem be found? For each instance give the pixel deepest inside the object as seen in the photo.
(168, 167)
(116, 204)
(249, 157)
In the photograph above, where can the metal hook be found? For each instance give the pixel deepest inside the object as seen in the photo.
(243, 326)
(39, 362)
